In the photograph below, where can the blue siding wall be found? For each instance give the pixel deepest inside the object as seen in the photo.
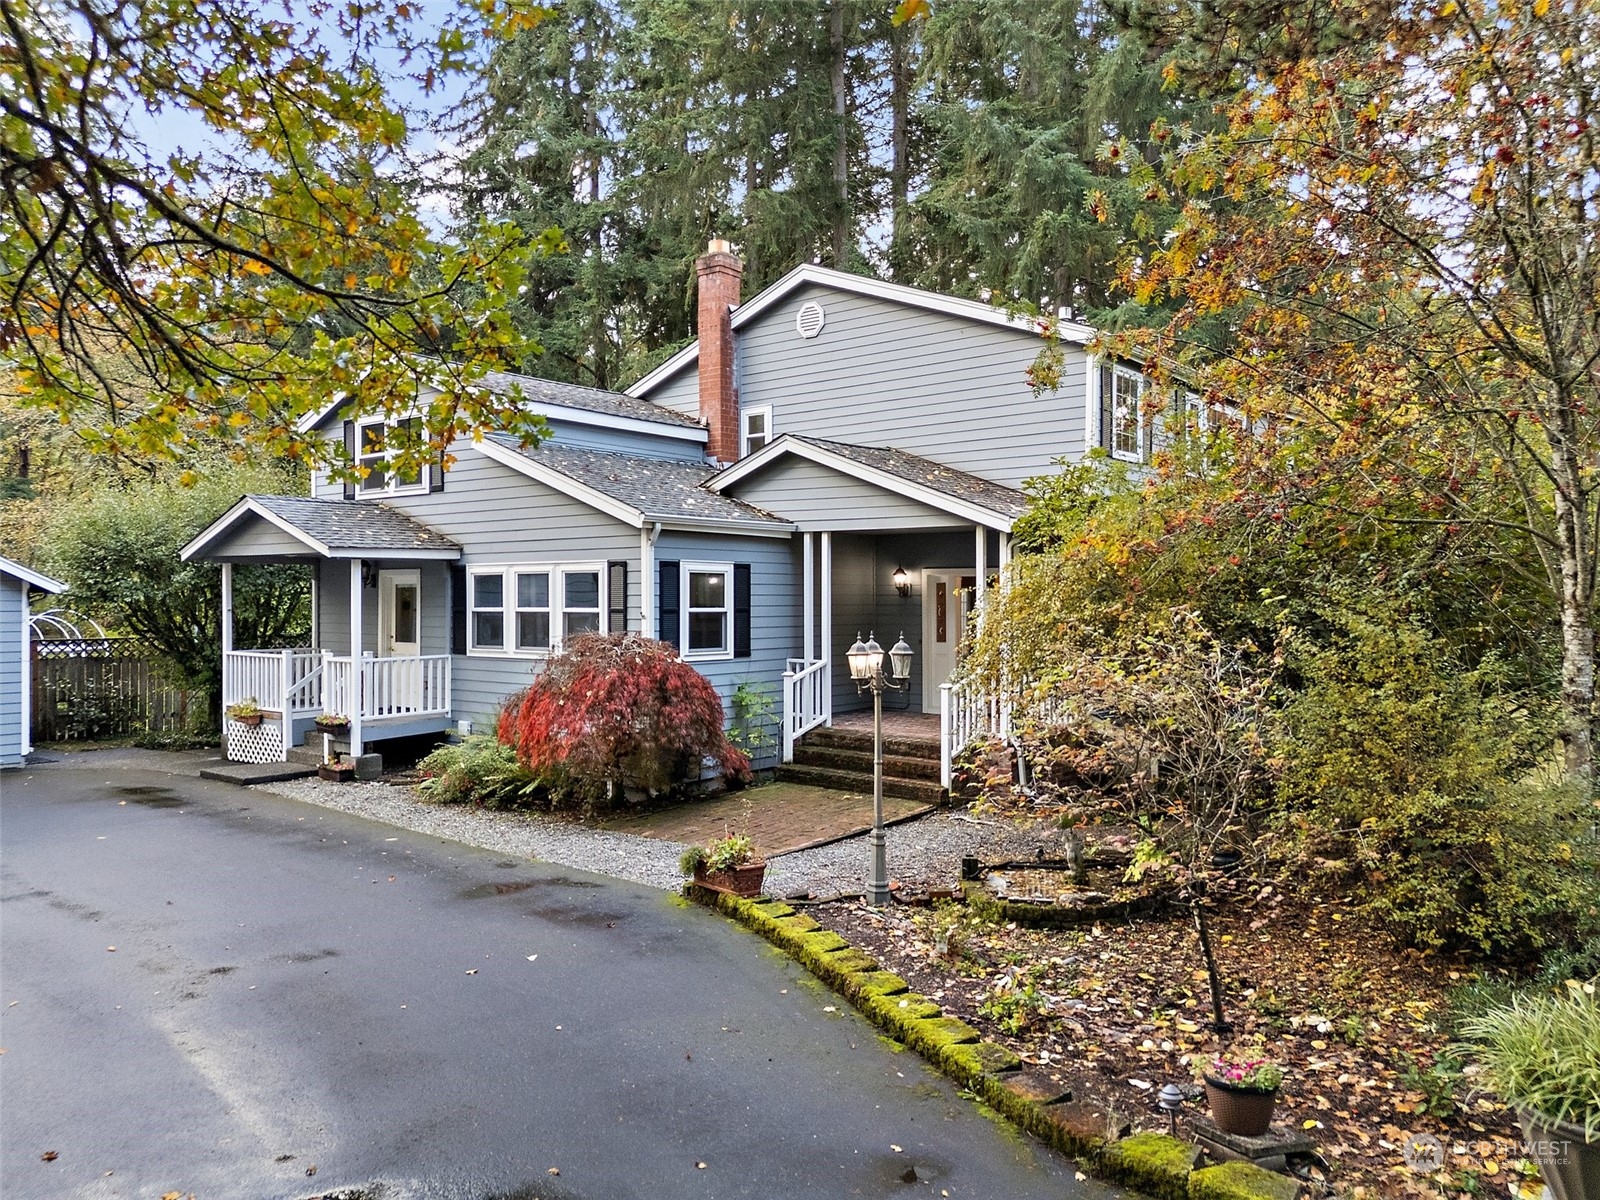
(883, 373)
(775, 615)
(13, 668)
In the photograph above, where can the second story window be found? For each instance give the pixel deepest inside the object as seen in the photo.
(755, 429)
(374, 442)
(1127, 416)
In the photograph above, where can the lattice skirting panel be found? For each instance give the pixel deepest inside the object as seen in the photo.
(261, 743)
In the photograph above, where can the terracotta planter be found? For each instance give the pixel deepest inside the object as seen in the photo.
(739, 881)
(1245, 1111)
(252, 720)
(1570, 1166)
(337, 772)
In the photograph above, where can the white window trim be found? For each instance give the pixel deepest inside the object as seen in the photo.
(390, 486)
(1140, 433)
(763, 410)
(704, 568)
(508, 573)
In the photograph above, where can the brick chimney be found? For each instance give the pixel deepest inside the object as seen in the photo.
(717, 273)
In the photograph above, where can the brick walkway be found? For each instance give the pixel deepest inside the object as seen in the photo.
(784, 817)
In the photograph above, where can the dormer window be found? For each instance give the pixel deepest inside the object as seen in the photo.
(755, 429)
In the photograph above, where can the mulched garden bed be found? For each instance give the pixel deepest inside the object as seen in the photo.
(1116, 1010)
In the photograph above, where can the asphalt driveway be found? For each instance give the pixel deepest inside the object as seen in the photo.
(226, 993)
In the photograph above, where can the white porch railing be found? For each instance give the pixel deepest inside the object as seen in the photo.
(968, 713)
(805, 700)
(273, 679)
(403, 686)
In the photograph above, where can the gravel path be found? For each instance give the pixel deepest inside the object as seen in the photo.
(926, 852)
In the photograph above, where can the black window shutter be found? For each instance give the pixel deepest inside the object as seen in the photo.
(1106, 410)
(350, 454)
(436, 473)
(617, 591)
(741, 610)
(458, 609)
(667, 620)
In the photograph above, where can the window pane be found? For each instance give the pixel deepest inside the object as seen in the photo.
(583, 589)
(533, 631)
(410, 425)
(375, 481)
(705, 631)
(372, 439)
(754, 443)
(489, 630)
(582, 623)
(533, 591)
(405, 613)
(755, 424)
(488, 591)
(706, 589)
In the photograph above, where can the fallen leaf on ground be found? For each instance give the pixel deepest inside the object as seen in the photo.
(49, 1156)
(473, 971)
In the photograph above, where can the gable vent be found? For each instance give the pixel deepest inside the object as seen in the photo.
(808, 321)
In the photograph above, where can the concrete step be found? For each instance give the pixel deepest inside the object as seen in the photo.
(849, 781)
(245, 774)
(861, 739)
(808, 754)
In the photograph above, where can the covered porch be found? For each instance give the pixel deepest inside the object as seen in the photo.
(379, 654)
(892, 545)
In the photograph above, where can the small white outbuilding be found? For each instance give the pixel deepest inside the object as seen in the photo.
(17, 584)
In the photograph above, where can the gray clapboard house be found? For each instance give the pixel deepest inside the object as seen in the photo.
(17, 585)
(835, 455)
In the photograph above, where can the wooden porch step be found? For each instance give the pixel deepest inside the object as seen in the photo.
(812, 754)
(850, 781)
(833, 738)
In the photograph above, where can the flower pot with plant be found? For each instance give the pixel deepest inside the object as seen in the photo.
(332, 723)
(1242, 1088)
(335, 771)
(245, 712)
(728, 864)
(1541, 1055)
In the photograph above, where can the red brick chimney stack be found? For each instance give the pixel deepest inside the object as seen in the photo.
(718, 273)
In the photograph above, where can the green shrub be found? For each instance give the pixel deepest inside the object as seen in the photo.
(479, 770)
(1422, 781)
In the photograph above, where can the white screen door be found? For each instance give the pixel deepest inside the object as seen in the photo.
(946, 601)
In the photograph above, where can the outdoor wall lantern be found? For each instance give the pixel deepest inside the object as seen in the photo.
(866, 668)
(902, 581)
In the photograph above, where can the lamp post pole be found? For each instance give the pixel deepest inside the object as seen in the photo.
(866, 668)
(878, 877)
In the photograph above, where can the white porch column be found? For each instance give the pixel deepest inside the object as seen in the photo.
(316, 607)
(827, 626)
(982, 551)
(808, 605)
(1005, 560)
(357, 700)
(227, 607)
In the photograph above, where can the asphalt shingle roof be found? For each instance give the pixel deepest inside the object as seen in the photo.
(959, 485)
(572, 395)
(355, 524)
(661, 489)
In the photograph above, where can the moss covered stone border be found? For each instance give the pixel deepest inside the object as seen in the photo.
(1153, 1163)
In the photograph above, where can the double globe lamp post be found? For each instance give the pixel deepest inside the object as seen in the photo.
(866, 669)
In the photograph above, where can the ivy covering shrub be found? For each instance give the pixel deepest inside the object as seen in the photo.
(479, 770)
(615, 711)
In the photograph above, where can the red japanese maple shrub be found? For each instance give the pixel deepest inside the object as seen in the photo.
(614, 710)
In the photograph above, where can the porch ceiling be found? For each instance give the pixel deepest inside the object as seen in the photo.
(274, 528)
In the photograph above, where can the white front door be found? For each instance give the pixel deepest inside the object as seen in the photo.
(946, 601)
(399, 614)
